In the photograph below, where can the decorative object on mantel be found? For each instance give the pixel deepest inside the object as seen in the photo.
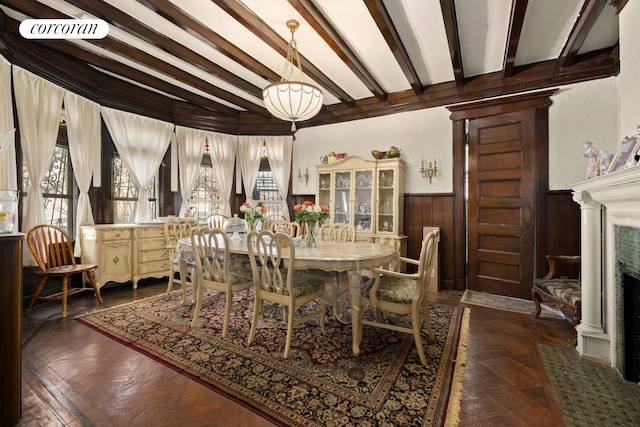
(605, 161)
(625, 156)
(292, 99)
(592, 154)
(430, 172)
(311, 215)
(253, 212)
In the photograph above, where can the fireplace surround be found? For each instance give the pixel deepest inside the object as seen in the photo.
(610, 211)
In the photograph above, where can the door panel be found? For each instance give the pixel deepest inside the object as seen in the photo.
(501, 203)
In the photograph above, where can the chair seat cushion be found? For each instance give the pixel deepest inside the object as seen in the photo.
(305, 284)
(240, 274)
(567, 290)
(396, 290)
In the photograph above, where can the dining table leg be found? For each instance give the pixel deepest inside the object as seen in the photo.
(356, 310)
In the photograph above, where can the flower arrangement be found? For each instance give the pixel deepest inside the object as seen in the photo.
(310, 213)
(253, 212)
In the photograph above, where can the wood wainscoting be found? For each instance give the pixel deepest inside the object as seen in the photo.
(447, 212)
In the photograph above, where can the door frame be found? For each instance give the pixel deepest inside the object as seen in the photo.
(538, 103)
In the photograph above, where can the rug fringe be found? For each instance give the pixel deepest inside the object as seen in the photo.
(453, 410)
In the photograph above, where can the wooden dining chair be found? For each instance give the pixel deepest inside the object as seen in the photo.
(290, 228)
(278, 282)
(175, 229)
(404, 294)
(53, 252)
(266, 223)
(216, 221)
(337, 232)
(218, 270)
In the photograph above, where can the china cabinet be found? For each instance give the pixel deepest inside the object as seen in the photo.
(367, 194)
(125, 252)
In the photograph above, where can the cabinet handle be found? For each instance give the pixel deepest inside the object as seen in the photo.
(117, 235)
(116, 260)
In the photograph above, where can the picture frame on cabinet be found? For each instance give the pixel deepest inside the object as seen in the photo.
(625, 156)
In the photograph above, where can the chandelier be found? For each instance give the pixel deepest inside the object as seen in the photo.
(291, 99)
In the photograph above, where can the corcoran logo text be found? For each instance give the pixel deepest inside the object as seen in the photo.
(64, 29)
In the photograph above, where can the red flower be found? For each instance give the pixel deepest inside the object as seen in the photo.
(297, 207)
(308, 203)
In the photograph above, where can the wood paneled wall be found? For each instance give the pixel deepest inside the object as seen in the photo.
(562, 237)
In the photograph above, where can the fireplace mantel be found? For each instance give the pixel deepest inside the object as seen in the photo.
(605, 201)
(618, 191)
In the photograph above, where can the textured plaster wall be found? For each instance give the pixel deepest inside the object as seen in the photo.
(421, 135)
(628, 82)
(581, 112)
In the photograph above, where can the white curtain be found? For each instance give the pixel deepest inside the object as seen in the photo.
(190, 152)
(141, 143)
(8, 174)
(279, 150)
(249, 151)
(223, 154)
(8, 171)
(83, 132)
(38, 103)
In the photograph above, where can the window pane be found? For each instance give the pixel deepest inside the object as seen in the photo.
(125, 194)
(205, 196)
(124, 212)
(266, 191)
(57, 189)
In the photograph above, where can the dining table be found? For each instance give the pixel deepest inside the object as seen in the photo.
(352, 258)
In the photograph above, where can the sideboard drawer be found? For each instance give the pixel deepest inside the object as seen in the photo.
(151, 245)
(145, 268)
(153, 232)
(154, 255)
(115, 234)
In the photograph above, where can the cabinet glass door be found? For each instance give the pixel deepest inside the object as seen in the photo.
(363, 200)
(386, 208)
(342, 210)
(324, 189)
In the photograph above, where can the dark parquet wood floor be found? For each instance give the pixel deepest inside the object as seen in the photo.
(74, 376)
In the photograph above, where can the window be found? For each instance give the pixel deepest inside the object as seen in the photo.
(58, 190)
(266, 189)
(125, 194)
(205, 196)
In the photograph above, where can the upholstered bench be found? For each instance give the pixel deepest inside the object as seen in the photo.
(560, 292)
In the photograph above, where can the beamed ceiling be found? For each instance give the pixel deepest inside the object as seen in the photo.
(204, 63)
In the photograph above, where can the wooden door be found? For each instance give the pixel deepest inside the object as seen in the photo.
(501, 204)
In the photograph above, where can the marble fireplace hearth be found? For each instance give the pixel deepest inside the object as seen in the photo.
(610, 220)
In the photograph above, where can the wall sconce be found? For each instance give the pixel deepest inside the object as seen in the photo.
(304, 177)
(430, 172)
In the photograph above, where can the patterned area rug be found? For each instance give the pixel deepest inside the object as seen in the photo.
(321, 383)
(502, 302)
(590, 393)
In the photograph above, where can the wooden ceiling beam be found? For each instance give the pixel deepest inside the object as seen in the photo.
(383, 20)
(588, 16)
(130, 25)
(516, 22)
(453, 38)
(258, 27)
(205, 34)
(308, 10)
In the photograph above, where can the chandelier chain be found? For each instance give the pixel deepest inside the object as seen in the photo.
(288, 73)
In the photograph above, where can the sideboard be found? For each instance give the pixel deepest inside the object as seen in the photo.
(125, 252)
